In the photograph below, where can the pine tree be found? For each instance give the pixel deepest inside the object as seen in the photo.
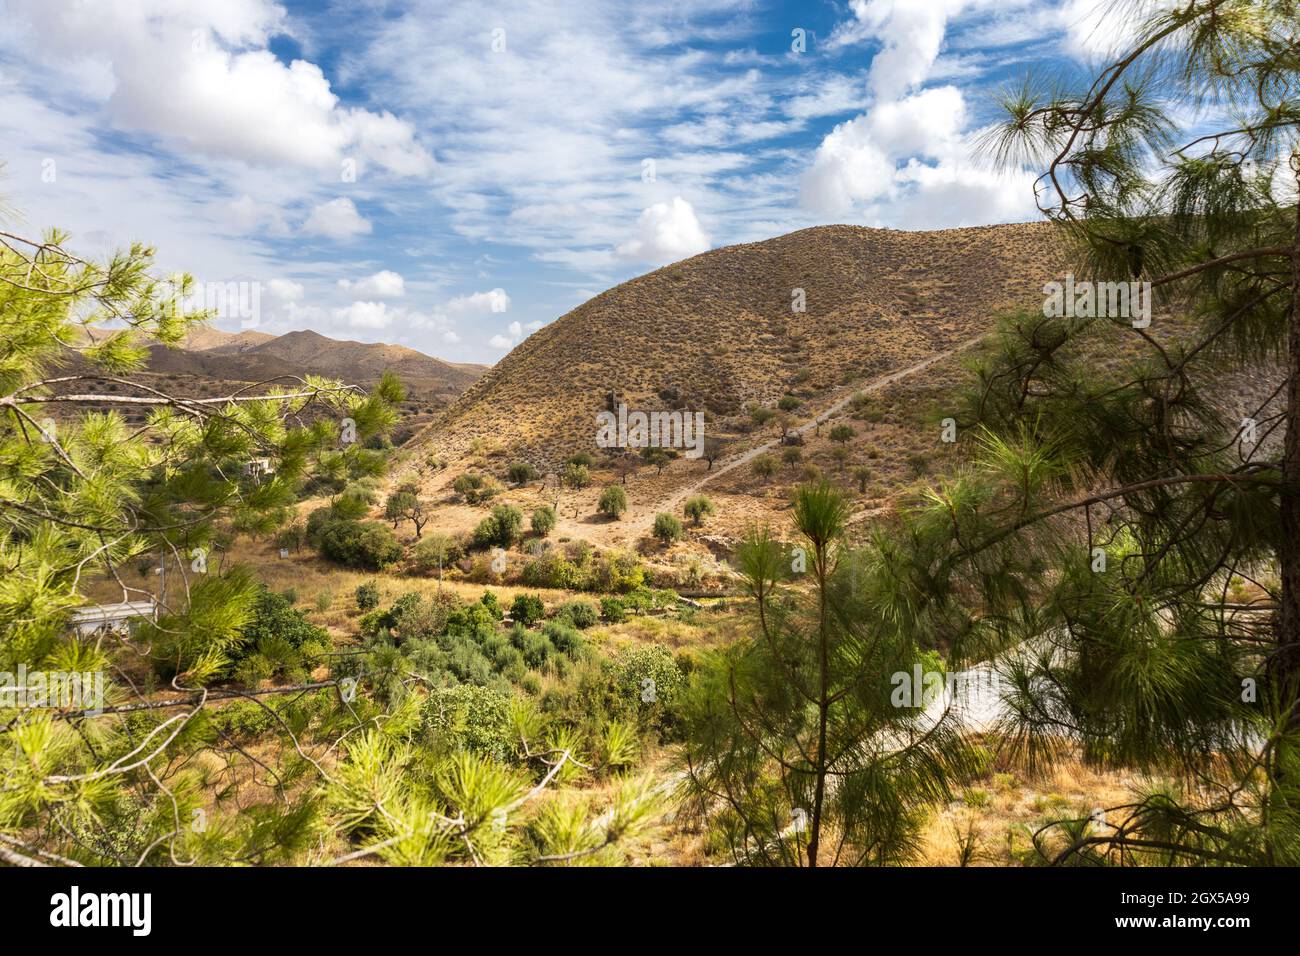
(1124, 533)
(797, 750)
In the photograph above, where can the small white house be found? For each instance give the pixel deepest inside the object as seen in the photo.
(112, 618)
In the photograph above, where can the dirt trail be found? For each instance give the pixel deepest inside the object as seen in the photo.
(641, 520)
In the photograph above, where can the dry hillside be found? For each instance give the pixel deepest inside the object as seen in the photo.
(716, 332)
(253, 356)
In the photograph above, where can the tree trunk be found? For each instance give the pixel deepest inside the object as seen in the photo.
(823, 707)
(1286, 663)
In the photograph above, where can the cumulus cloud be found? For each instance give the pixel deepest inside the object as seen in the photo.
(226, 94)
(285, 290)
(336, 219)
(665, 232)
(909, 158)
(365, 315)
(911, 33)
(478, 303)
(384, 284)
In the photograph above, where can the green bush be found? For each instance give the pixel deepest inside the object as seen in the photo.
(489, 601)
(613, 502)
(650, 679)
(580, 614)
(564, 637)
(471, 717)
(535, 646)
(475, 487)
(554, 570)
(697, 507)
(521, 472)
(618, 572)
(360, 544)
(667, 528)
(527, 609)
(433, 552)
(576, 475)
(612, 610)
(367, 596)
(276, 641)
(501, 528)
(543, 520)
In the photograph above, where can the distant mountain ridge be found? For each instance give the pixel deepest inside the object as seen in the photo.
(256, 356)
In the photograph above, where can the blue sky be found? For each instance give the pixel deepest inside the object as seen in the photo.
(452, 176)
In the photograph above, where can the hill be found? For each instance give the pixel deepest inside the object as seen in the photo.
(719, 332)
(253, 356)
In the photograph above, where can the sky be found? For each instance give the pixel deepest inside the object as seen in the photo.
(454, 175)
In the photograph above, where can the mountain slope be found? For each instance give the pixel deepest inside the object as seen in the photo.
(253, 356)
(717, 331)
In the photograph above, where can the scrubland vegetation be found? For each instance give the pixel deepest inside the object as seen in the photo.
(489, 643)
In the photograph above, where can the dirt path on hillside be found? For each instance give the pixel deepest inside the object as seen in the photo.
(577, 518)
(641, 519)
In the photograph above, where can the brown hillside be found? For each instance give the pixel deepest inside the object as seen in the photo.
(207, 339)
(717, 332)
(365, 361)
(253, 356)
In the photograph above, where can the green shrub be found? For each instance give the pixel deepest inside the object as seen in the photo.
(501, 528)
(535, 646)
(489, 601)
(618, 572)
(697, 507)
(651, 680)
(613, 502)
(433, 552)
(475, 488)
(564, 637)
(521, 472)
(576, 475)
(527, 609)
(543, 520)
(612, 610)
(472, 717)
(554, 570)
(367, 596)
(360, 544)
(667, 528)
(324, 600)
(580, 614)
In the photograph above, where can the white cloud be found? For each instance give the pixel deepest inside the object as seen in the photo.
(858, 160)
(336, 219)
(908, 160)
(912, 34)
(384, 284)
(477, 303)
(501, 342)
(285, 290)
(365, 315)
(201, 75)
(665, 233)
